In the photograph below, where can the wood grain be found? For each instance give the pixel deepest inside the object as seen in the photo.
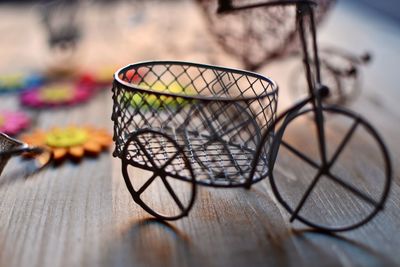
(83, 215)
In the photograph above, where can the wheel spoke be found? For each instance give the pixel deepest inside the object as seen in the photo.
(172, 193)
(146, 153)
(343, 143)
(156, 151)
(354, 190)
(305, 196)
(237, 127)
(169, 161)
(300, 155)
(147, 184)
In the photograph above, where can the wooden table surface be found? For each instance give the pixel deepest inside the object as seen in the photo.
(83, 215)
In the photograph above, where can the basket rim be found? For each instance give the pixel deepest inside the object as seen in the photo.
(134, 87)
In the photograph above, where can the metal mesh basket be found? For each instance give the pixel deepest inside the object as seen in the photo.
(217, 115)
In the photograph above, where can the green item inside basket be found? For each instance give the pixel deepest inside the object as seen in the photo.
(156, 101)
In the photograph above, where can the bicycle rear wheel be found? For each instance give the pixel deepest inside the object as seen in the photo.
(166, 185)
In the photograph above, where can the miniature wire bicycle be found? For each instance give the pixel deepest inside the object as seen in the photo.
(193, 124)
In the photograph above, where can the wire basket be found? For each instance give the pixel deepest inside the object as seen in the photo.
(216, 115)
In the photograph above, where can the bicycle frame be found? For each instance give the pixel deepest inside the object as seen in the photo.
(304, 11)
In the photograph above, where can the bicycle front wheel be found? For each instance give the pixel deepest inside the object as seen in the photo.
(341, 194)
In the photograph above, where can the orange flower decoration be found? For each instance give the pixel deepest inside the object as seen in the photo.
(72, 141)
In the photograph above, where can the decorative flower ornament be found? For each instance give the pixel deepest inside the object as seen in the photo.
(72, 141)
(100, 79)
(15, 82)
(13, 122)
(104, 76)
(56, 94)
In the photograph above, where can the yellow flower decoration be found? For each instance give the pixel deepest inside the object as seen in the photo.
(15, 80)
(56, 93)
(72, 141)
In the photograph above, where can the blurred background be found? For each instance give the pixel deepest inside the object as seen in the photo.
(101, 36)
(82, 34)
(86, 34)
(387, 8)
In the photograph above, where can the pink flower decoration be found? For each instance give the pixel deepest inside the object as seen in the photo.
(13, 122)
(56, 94)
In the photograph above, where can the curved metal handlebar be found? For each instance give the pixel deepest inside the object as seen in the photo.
(21, 150)
(12, 147)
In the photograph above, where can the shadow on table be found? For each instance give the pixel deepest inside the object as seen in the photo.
(151, 242)
(339, 248)
(17, 171)
(161, 227)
